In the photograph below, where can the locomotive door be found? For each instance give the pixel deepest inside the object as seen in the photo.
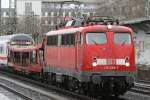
(79, 50)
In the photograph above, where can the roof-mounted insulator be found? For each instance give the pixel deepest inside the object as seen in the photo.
(103, 20)
(92, 20)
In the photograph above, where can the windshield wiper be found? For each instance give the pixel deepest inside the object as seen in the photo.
(124, 42)
(94, 42)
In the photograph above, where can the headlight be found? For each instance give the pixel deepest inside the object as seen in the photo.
(127, 61)
(94, 61)
(127, 64)
(94, 64)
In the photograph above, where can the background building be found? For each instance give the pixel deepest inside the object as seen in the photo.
(8, 19)
(55, 12)
(43, 15)
(125, 9)
(134, 14)
(28, 16)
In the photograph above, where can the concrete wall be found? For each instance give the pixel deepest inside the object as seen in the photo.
(142, 47)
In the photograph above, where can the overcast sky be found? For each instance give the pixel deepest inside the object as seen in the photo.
(5, 3)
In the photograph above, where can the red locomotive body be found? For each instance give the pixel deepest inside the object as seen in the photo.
(97, 58)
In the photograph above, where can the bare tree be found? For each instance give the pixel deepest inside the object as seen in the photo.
(29, 24)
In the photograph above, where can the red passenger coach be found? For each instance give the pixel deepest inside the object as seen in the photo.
(23, 54)
(97, 58)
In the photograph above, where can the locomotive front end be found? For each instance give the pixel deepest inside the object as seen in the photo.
(109, 59)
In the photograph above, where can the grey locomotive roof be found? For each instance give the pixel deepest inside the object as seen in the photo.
(64, 31)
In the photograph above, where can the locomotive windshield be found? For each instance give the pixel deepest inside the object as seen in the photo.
(96, 38)
(122, 38)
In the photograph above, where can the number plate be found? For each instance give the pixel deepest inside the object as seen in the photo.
(111, 61)
(120, 61)
(101, 61)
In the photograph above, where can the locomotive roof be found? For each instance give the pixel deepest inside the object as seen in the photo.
(16, 37)
(93, 27)
(64, 31)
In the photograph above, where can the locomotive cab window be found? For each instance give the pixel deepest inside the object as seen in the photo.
(122, 38)
(96, 38)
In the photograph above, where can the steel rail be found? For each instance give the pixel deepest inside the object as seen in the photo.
(141, 87)
(50, 87)
(15, 92)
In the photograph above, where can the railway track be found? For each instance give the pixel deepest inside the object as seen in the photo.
(58, 90)
(25, 90)
(144, 81)
(15, 92)
(142, 87)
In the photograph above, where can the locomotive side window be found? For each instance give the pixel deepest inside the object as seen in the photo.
(122, 38)
(81, 38)
(96, 38)
(52, 40)
(68, 39)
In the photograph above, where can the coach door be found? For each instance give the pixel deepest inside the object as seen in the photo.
(79, 50)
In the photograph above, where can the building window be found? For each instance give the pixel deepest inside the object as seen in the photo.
(52, 40)
(63, 14)
(52, 14)
(5, 14)
(52, 23)
(28, 8)
(68, 39)
(57, 13)
(46, 14)
(69, 14)
(58, 21)
(46, 22)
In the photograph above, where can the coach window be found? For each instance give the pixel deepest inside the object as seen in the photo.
(17, 57)
(96, 38)
(33, 57)
(25, 59)
(68, 39)
(2, 49)
(122, 38)
(52, 40)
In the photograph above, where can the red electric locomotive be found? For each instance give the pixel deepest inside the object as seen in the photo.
(23, 55)
(97, 59)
